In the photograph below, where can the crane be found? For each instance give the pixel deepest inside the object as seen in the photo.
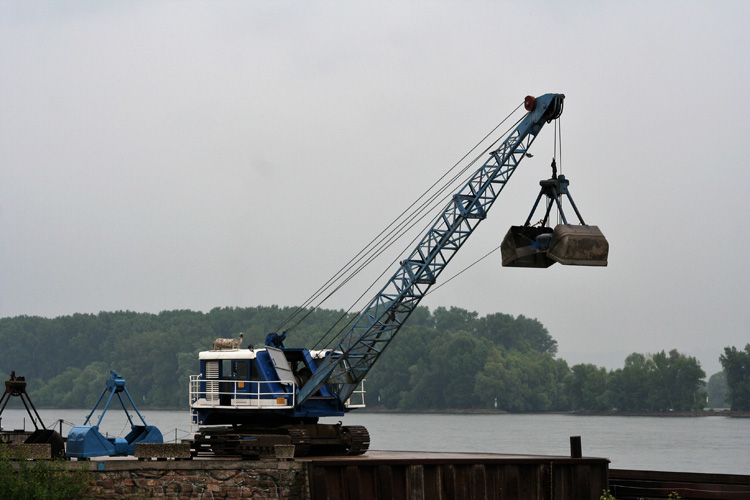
(247, 400)
(348, 363)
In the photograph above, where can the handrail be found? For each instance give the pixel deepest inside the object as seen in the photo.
(242, 398)
(255, 399)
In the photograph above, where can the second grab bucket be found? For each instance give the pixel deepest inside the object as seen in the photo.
(578, 245)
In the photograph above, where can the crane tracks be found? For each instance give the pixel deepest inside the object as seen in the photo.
(249, 443)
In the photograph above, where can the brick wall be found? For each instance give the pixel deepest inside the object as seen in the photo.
(198, 479)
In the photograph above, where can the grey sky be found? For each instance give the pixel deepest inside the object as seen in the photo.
(188, 155)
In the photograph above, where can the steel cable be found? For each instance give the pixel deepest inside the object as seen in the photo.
(428, 210)
(399, 227)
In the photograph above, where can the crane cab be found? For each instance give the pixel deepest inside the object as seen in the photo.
(258, 386)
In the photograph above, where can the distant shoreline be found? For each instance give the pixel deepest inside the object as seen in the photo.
(488, 411)
(607, 413)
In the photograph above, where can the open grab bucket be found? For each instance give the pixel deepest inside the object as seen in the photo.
(541, 246)
(578, 245)
(526, 246)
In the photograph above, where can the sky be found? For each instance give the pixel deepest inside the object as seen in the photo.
(191, 155)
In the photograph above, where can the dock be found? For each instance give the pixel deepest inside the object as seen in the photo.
(375, 475)
(400, 475)
(447, 476)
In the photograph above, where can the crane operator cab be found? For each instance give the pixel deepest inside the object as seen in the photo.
(541, 246)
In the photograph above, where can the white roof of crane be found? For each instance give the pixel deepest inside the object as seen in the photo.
(245, 353)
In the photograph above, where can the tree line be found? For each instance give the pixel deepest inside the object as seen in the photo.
(442, 359)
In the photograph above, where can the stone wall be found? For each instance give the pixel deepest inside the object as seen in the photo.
(198, 479)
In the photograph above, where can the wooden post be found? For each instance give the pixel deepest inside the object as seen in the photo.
(575, 447)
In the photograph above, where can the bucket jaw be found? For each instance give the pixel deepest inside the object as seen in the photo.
(526, 246)
(85, 441)
(578, 245)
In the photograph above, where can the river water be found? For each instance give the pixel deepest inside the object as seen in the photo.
(684, 444)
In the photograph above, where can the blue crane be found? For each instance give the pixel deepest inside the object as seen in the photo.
(244, 401)
(348, 363)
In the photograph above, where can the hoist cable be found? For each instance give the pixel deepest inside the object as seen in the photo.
(558, 123)
(432, 222)
(380, 243)
(425, 210)
(480, 259)
(376, 246)
(554, 169)
(372, 247)
(557, 148)
(558, 131)
(410, 245)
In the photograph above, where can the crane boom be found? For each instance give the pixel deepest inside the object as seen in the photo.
(359, 348)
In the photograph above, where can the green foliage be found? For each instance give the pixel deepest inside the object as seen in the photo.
(519, 333)
(453, 359)
(606, 495)
(660, 382)
(586, 385)
(628, 388)
(717, 390)
(446, 359)
(522, 382)
(444, 378)
(675, 382)
(22, 479)
(736, 364)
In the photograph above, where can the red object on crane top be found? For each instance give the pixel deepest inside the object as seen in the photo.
(529, 103)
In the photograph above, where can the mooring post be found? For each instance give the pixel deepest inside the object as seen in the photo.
(575, 447)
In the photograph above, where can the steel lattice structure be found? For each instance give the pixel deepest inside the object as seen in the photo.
(379, 322)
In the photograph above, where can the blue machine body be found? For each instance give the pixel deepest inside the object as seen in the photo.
(260, 386)
(85, 441)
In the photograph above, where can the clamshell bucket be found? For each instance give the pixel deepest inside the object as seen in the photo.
(578, 245)
(526, 246)
(51, 437)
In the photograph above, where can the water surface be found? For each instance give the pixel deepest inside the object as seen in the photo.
(684, 444)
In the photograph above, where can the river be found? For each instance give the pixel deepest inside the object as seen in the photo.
(714, 444)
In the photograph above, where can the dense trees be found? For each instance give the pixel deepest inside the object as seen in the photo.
(658, 382)
(444, 359)
(717, 390)
(67, 359)
(736, 364)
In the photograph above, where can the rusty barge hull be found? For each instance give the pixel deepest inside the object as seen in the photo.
(443, 476)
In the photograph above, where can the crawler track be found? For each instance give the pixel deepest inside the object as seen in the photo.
(257, 443)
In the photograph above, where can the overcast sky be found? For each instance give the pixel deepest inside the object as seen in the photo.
(189, 155)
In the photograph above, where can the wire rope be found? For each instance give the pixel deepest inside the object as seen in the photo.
(480, 259)
(557, 148)
(420, 235)
(394, 231)
(376, 246)
(425, 210)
